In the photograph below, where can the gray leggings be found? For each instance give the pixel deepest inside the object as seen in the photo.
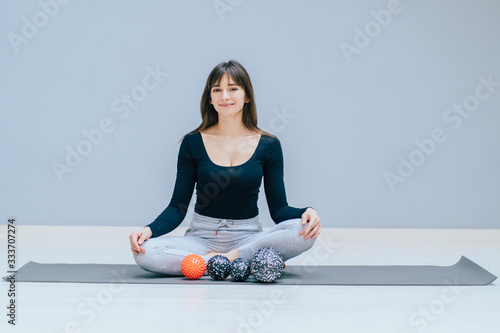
(206, 234)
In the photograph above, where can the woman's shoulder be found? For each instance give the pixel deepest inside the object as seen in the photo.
(191, 134)
(188, 137)
(270, 138)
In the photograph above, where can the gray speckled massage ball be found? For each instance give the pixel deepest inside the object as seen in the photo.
(218, 267)
(240, 269)
(267, 264)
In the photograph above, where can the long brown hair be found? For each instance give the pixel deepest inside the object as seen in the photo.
(240, 76)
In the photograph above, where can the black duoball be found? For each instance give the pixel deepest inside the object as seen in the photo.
(267, 264)
(240, 269)
(218, 267)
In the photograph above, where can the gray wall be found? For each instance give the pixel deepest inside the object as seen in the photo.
(383, 108)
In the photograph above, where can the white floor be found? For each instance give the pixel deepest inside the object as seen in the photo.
(68, 307)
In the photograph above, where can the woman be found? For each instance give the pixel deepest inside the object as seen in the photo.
(226, 156)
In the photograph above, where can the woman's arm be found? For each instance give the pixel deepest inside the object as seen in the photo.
(274, 186)
(175, 212)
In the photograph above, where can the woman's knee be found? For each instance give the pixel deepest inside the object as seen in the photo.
(306, 244)
(143, 257)
(295, 226)
(139, 258)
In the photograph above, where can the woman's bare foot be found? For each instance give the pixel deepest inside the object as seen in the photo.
(231, 255)
(213, 253)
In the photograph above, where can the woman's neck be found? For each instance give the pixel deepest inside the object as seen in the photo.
(230, 127)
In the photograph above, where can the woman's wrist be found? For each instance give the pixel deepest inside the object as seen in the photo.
(149, 231)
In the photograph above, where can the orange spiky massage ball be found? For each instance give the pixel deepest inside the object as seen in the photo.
(193, 266)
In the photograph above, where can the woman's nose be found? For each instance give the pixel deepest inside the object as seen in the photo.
(225, 94)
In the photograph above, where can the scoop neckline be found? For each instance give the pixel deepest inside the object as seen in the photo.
(224, 166)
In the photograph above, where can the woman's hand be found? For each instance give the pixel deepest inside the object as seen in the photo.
(138, 237)
(314, 227)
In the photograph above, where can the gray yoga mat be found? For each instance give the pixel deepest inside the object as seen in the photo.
(464, 272)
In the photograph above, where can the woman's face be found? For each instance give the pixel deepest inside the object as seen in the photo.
(227, 97)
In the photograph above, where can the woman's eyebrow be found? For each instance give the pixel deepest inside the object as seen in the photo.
(231, 84)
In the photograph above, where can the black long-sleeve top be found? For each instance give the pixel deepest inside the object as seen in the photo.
(226, 192)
